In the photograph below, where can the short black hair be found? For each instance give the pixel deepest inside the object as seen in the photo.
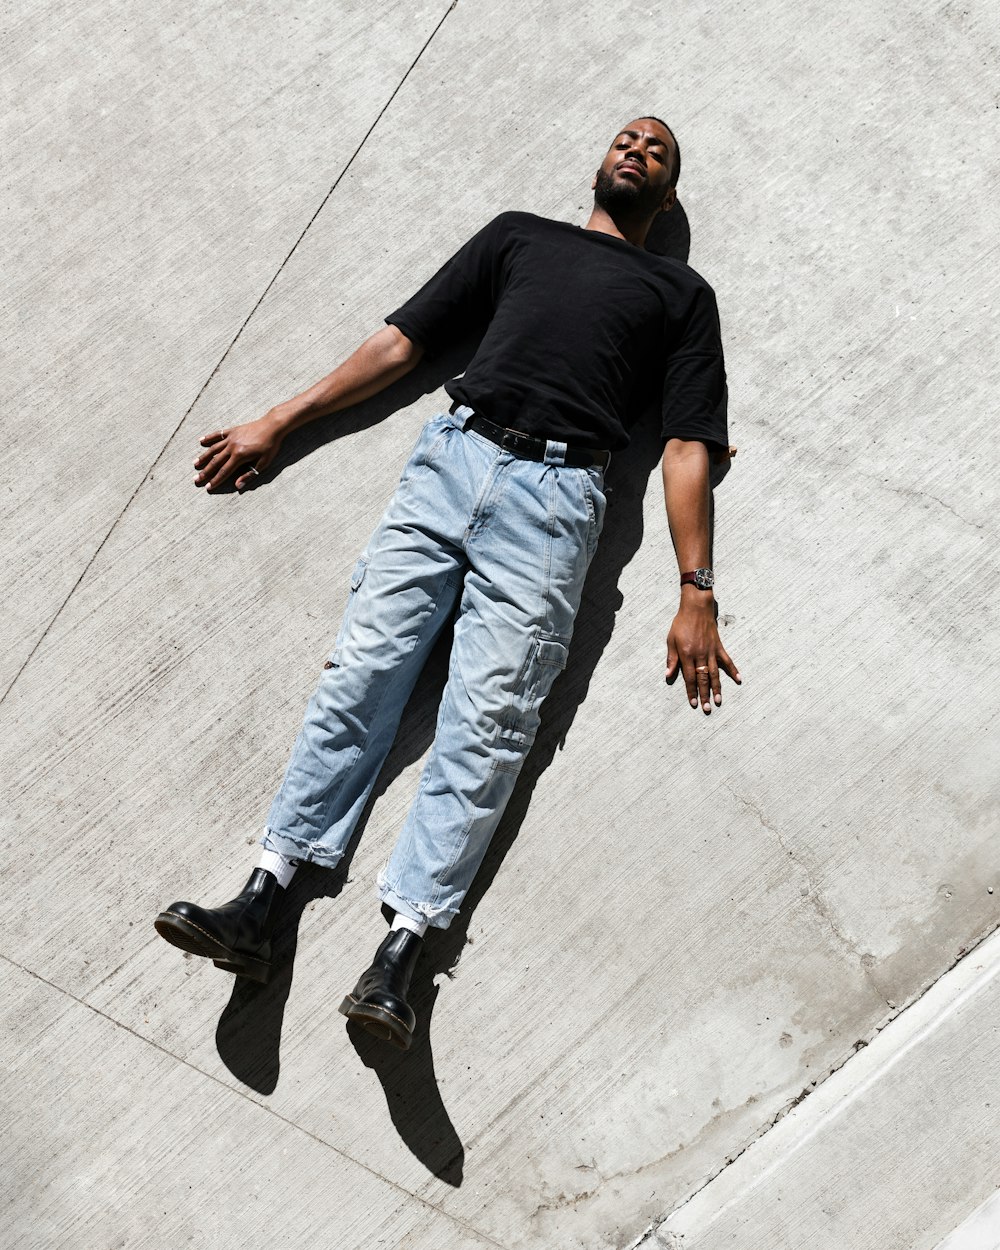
(675, 172)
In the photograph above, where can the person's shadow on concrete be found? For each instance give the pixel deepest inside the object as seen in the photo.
(249, 1031)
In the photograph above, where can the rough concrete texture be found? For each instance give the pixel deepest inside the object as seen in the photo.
(684, 923)
(873, 1158)
(980, 1231)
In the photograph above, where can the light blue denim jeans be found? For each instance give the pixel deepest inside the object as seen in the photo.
(507, 542)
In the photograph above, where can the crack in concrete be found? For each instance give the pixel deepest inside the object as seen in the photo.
(911, 492)
(831, 460)
(222, 359)
(814, 897)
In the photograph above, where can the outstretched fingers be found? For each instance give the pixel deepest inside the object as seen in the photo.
(714, 683)
(221, 459)
(218, 471)
(729, 666)
(701, 678)
(702, 685)
(209, 462)
(208, 467)
(691, 675)
(699, 656)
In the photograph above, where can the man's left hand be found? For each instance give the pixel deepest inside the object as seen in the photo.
(695, 649)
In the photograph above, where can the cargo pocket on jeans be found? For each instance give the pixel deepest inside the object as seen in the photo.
(357, 577)
(546, 660)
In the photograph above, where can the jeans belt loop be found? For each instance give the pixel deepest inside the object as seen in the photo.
(555, 452)
(526, 445)
(463, 412)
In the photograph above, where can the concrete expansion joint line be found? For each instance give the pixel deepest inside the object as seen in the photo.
(222, 359)
(261, 1106)
(657, 1238)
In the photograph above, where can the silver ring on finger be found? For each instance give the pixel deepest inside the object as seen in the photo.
(702, 668)
(254, 470)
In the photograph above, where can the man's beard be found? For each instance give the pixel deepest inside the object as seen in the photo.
(620, 195)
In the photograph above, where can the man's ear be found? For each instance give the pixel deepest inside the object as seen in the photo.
(593, 183)
(669, 200)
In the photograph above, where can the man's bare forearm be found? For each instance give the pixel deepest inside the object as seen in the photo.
(686, 494)
(252, 447)
(694, 648)
(380, 360)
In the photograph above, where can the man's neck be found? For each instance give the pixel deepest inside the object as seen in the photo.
(632, 230)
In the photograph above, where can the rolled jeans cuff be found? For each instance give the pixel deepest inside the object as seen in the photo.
(297, 848)
(437, 918)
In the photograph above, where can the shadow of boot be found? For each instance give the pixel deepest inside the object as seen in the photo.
(409, 1084)
(248, 1035)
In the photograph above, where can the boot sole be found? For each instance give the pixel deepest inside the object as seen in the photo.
(377, 1021)
(188, 937)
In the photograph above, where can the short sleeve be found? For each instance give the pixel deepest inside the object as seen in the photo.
(462, 293)
(695, 394)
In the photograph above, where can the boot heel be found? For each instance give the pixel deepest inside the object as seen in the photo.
(384, 1025)
(378, 1001)
(253, 969)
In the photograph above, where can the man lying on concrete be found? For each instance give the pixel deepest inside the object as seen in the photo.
(494, 524)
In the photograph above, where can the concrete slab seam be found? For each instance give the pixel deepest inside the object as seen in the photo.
(163, 1050)
(658, 1238)
(222, 358)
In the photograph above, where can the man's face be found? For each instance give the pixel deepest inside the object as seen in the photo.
(635, 174)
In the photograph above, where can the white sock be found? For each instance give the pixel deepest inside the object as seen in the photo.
(280, 865)
(399, 921)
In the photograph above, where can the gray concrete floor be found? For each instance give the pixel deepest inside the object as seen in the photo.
(685, 924)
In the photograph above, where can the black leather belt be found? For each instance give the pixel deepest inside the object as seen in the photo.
(530, 448)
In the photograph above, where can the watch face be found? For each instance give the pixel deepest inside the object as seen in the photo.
(704, 579)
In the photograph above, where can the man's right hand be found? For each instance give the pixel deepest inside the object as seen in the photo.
(250, 446)
(387, 355)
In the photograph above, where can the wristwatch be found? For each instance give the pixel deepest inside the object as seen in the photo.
(704, 579)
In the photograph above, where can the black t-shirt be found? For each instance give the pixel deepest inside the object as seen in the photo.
(584, 329)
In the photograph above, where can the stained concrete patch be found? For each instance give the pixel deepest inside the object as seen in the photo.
(890, 1152)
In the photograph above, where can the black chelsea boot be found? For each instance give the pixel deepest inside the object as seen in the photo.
(235, 936)
(378, 1001)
